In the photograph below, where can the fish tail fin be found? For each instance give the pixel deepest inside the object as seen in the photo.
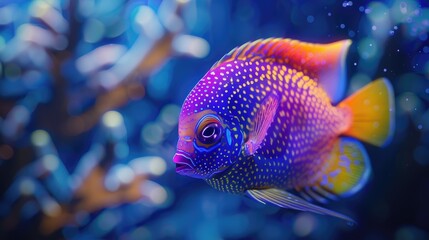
(372, 113)
(345, 173)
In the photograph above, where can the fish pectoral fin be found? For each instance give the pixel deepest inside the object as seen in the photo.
(287, 200)
(260, 123)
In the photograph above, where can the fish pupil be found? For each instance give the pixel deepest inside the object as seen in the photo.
(209, 131)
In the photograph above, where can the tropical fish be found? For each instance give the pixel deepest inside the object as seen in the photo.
(267, 120)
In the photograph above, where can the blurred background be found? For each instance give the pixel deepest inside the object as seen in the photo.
(90, 93)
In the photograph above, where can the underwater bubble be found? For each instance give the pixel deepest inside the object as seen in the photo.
(402, 10)
(50, 207)
(409, 102)
(124, 174)
(347, 3)
(329, 14)
(157, 166)
(368, 48)
(403, 7)
(427, 90)
(119, 174)
(426, 49)
(342, 25)
(111, 183)
(170, 114)
(149, 165)
(352, 33)
(40, 138)
(379, 12)
(361, 8)
(310, 19)
(93, 30)
(384, 69)
(50, 162)
(112, 119)
(27, 187)
(191, 45)
(152, 133)
(304, 225)
(155, 192)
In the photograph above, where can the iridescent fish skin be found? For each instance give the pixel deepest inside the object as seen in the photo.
(295, 146)
(263, 118)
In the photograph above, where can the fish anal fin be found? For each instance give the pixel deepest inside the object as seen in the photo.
(260, 123)
(346, 171)
(287, 200)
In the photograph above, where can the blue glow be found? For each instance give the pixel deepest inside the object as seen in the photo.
(228, 136)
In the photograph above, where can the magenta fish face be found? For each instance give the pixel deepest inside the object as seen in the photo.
(184, 164)
(205, 146)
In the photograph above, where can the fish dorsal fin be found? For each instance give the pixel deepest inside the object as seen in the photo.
(325, 63)
(260, 123)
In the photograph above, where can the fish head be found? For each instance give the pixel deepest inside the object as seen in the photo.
(208, 144)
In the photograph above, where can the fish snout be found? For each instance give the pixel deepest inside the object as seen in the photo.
(183, 163)
(185, 145)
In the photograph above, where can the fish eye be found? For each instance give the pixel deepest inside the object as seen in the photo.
(209, 130)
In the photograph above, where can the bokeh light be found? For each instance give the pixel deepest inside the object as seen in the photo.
(91, 91)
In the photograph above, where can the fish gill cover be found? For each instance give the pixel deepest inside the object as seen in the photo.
(90, 96)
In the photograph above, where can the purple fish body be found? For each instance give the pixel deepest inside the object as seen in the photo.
(262, 121)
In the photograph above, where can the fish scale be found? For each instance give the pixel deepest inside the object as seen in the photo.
(262, 121)
(255, 80)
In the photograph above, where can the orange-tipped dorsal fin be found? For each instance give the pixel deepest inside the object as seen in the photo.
(322, 62)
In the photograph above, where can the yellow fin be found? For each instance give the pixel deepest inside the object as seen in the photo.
(372, 113)
(347, 169)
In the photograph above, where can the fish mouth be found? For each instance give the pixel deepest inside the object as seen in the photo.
(184, 165)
